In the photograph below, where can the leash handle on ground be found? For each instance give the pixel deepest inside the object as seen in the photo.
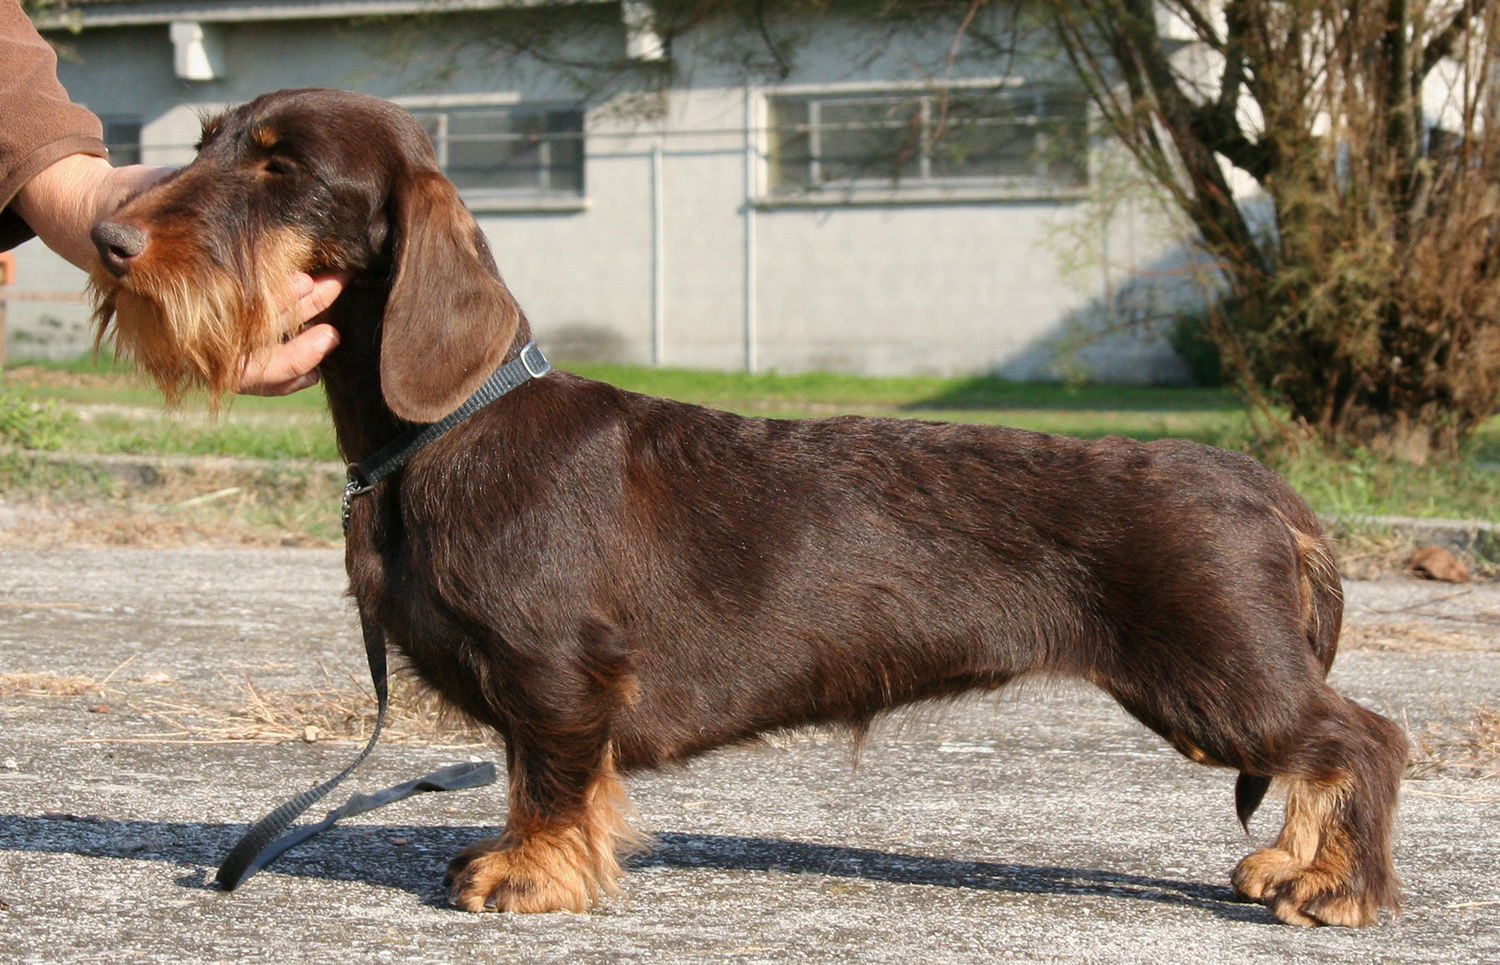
(264, 842)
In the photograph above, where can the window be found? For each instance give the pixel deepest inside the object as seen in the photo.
(122, 135)
(509, 152)
(1017, 140)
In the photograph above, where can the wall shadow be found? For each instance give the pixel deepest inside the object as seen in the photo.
(993, 393)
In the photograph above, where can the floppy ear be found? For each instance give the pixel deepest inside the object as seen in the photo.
(450, 320)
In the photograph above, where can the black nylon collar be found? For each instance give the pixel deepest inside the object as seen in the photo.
(530, 364)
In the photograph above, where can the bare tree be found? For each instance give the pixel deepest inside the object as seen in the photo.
(1362, 283)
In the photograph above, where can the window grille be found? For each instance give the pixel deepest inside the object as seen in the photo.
(1027, 139)
(509, 152)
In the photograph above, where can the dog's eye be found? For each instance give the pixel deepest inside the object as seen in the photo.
(280, 166)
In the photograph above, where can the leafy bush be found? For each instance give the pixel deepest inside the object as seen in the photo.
(1191, 340)
(33, 425)
(1366, 274)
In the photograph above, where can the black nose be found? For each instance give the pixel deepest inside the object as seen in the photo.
(117, 244)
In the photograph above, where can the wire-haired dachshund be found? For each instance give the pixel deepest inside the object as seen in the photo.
(615, 582)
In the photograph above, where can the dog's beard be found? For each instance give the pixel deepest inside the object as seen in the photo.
(196, 326)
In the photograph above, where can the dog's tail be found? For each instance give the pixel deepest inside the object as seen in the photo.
(1321, 599)
(1249, 791)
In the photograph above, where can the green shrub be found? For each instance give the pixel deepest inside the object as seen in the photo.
(33, 425)
(1190, 339)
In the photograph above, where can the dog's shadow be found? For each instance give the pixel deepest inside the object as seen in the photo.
(413, 858)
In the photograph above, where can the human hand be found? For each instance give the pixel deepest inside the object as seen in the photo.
(292, 365)
(63, 202)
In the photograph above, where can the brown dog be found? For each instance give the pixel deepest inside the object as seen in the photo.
(614, 582)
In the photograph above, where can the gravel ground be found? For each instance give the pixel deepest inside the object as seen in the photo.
(1040, 825)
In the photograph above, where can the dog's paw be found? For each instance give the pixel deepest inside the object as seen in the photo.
(1301, 895)
(489, 876)
(1259, 873)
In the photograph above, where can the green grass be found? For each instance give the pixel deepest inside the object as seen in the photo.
(33, 424)
(113, 413)
(1362, 485)
(791, 392)
(112, 410)
(296, 435)
(104, 380)
(1090, 411)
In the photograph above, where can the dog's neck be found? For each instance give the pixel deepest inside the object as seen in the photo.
(362, 421)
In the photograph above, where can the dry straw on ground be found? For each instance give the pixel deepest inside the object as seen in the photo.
(1375, 554)
(54, 525)
(1470, 746)
(333, 711)
(175, 505)
(45, 685)
(1411, 637)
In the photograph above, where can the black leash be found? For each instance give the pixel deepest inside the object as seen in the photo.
(264, 842)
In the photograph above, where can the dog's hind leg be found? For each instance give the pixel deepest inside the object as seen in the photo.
(1341, 766)
(1228, 663)
(1340, 763)
(1331, 864)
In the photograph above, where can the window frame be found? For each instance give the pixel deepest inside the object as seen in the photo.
(917, 190)
(501, 199)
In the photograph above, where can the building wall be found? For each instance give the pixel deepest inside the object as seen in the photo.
(675, 257)
(56, 325)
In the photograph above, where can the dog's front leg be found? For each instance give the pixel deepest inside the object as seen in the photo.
(566, 830)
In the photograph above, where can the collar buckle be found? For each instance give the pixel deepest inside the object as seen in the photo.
(536, 363)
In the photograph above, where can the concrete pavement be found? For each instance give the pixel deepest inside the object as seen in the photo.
(1042, 825)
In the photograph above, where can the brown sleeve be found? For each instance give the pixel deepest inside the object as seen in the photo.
(38, 123)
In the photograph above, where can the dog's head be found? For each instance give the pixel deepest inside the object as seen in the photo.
(193, 269)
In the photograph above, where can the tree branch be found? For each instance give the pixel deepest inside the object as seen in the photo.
(783, 69)
(1214, 210)
(1218, 128)
(1157, 105)
(1442, 43)
(1201, 24)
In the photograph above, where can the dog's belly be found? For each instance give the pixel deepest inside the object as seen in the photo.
(835, 650)
(693, 675)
